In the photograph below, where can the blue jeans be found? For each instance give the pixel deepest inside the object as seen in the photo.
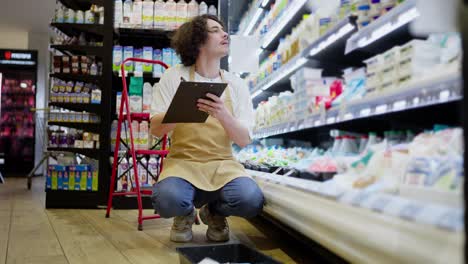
(175, 196)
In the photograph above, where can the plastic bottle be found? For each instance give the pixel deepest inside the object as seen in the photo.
(212, 10)
(137, 14)
(363, 143)
(192, 9)
(147, 97)
(143, 135)
(159, 14)
(153, 169)
(202, 8)
(127, 13)
(171, 12)
(142, 172)
(336, 145)
(148, 14)
(181, 13)
(348, 146)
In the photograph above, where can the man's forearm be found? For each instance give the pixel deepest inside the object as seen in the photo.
(236, 131)
(157, 128)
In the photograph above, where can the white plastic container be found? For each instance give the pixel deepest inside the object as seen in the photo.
(143, 135)
(212, 10)
(118, 13)
(202, 8)
(148, 14)
(181, 13)
(147, 97)
(136, 103)
(171, 13)
(142, 172)
(153, 169)
(160, 15)
(192, 9)
(137, 14)
(127, 13)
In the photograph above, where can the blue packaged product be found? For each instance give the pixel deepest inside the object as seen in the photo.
(157, 69)
(167, 56)
(138, 53)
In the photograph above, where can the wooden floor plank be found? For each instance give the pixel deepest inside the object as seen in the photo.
(5, 218)
(80, 240)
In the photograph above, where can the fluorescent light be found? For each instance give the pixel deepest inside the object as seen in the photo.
(388, 27)
(332, 38)
(288, 16)
(253, 21)
(258, 52)
(265, 3)
(256, 93)
(282, 74)
(23, 85)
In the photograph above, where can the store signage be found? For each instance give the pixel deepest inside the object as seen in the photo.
(17, 57)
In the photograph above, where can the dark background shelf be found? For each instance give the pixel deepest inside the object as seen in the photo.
(81, 4)
(77, 77)
(88, 127)
(91, 153)
(143, 37)
(79, 50)
(92, 108)
(73, 199)
(74, 29)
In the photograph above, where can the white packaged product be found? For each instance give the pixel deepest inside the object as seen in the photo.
(136, 103)
(212, 10)
(374, 64)
(160, 15)
(127, 13)
(118, 13)
(70, 16)
(80, 17)
(181, 15)
(117, 55)
(157, 69)
(147, 97)
(153, 169)
(147, 55)
(138, 53)
(143, 135)
(171, 12)
(202, 8)
(148, 13)
(142, 172)
(89, 17)
(137, 14)
(192, 9)
(131, 173)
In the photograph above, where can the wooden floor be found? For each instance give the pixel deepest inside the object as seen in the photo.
(31, 234)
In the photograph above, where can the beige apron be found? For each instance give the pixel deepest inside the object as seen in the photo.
(202, 153)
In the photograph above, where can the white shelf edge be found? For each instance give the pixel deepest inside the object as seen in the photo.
(358, 234)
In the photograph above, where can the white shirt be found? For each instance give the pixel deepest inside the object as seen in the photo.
(240, 95)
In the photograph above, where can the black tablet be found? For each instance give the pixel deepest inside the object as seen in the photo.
(183, 108)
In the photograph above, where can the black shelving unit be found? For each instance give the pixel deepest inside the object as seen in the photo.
(91, 108)
(75, 29)
(81, 4)
(77, 77)
(79, 50)
(88, 127)
(92, 153)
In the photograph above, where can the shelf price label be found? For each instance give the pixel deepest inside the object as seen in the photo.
(317, 122)
(398, 105)
(365, 112)
(381, 109)
(444, 95)
(348, 116)
(331, 120)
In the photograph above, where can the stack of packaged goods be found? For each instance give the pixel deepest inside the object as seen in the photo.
(58, 114)
(392, 71)
(159, 14)
(79, 65)
(166, 55)
(95, 15)
(74, 92)
(73, 138)
(70, 176)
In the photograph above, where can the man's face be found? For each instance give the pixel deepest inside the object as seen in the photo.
(217, 43)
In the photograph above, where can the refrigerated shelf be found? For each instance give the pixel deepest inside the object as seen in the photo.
(359, 234)
(433, 90)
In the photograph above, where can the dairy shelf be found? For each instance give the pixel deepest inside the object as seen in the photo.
(79, 50)
(91, 153)
(77, 77)
(74, 29)
(91, 108)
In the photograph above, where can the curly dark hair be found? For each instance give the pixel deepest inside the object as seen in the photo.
(190, 36)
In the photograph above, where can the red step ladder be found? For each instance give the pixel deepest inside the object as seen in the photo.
(134, 154)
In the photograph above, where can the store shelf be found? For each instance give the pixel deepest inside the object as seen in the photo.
(332, 42)
(147, 77)
(91, 153)
(283, 25)
(257, 13)
(359, 234)
(77, 77)
(74, 29)
(88, 127)
(91, 108)
(431, 91)
(81, 4)
(386, 32)
(79, 49)
(156, 38)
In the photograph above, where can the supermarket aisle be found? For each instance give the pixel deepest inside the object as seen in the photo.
(31, 234)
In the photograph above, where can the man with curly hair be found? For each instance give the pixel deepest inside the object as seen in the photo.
(200, 170)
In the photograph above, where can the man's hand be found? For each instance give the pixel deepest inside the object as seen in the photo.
(215, 108)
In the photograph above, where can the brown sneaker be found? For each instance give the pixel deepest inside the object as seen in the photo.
(218, 229)
(181, 231)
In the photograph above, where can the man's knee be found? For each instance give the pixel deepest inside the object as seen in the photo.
(169, 198)
(248, 198)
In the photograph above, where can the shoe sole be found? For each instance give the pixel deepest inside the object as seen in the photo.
(181, 238)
